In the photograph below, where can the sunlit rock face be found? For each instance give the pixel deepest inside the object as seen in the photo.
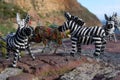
(49, 11)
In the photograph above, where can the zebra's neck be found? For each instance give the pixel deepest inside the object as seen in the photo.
(73, 27)
(20, 34)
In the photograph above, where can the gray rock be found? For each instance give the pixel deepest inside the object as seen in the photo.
(9, 72)
(89, 71)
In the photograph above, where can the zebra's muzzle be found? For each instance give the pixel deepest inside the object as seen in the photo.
(60, 28)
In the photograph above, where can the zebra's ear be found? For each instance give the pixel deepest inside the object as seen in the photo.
(106, 17)
(115, 14)
(27, 19)
(18, 18)
(67, 15)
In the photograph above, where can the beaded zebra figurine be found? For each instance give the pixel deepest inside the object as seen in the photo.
(20, 39)
(83, 35)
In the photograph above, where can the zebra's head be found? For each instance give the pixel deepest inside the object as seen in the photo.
(71, 22)
(24, 29)
(29, 31)
(78, 20)
(110, 25)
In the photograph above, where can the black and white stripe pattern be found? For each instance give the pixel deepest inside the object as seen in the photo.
(84, 35)
(19, 40)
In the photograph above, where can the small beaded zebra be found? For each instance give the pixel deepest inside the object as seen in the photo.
(20, 39)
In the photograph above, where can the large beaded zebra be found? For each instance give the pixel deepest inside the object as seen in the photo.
(19, 40)
(83, 35)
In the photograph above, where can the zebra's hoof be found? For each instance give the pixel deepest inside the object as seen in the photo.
(72, 54)
(33, 58)
(78, 54)
(12, 66)
(19, 57)
(7, 57)
(96, 55)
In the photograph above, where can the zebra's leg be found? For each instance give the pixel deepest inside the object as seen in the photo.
(103, 46)
(7, 54)
(46, 44)
(98, 46)
(29, 51)
(103, 43)
(74, 46)
(43, 49)
(49, 45)
(114, 36)
(16, 54)
(65, 49)
(110, 37)
(56, 47)
(78, 48)
(19, 56)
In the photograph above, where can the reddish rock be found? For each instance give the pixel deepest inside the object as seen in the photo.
(99, 77)
(28, 61)
(41, 69)
(6, 63)
(24, 67)
(23, 76)
(117, 78)
(53, 77)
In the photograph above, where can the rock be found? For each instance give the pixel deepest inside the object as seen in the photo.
(91, 71)
(23, 76)
(117, 78)
(99, 77)
(9, 72)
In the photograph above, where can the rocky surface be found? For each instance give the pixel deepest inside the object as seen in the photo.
(9, 72)
(106, 68)
(43, 66)
(50, 11)
(50, 66)
(94, 71)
